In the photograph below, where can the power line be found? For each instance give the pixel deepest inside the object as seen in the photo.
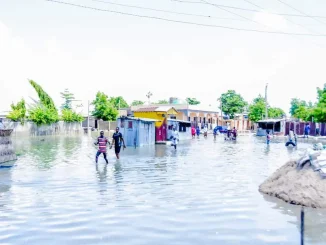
(302, 26)
(251, 10)
(183, 22)
(312, 17)
(161, 10)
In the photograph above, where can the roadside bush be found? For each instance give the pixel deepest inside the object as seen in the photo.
(18, 112)
(71, 116)
(42, 115)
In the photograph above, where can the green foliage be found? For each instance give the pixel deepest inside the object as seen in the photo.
(232, 103)
(193, 101)
(115, 102)
(295, 104)
(257, 109)
(71, 116)
(304, 112)
(162, 102)
(45, 99)
(18, 112)
(103, 108)
(43, 115)
(137, 102)
(319, 112)
(68, 97)
(274, 112)
(45, 112)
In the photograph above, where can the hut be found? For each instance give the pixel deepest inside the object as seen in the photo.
(161, 114)
(183, 127)
(275, 126)
(137, 131)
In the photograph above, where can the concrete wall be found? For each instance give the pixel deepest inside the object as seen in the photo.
(30, 128)
(7, 152)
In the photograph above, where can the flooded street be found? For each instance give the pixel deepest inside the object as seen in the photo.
(206, 192)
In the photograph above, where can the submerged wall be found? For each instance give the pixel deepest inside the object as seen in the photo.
(7, 152)
(30, 128)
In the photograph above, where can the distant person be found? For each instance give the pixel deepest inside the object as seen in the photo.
(228, 127)
(234, 133)
(317, 129)
(117, 139)
(215, 131)
(102, 141)
(205, 131)
(307, 130)
(268, 137)
(292, 138)
(175, 138)
(193, 132)
(198, 131)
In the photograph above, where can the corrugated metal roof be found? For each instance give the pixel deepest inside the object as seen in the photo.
(141, 119)
(176, 120)
(156, 108)
(271, 120)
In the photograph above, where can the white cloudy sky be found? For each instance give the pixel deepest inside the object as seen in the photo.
(61, 46)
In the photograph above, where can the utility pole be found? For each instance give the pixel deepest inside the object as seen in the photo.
(221, 112)
(149, 95)
(266, 109)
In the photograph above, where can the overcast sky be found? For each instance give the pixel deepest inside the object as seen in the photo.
(86, 51)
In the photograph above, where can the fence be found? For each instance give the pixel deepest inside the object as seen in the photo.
(299, 128)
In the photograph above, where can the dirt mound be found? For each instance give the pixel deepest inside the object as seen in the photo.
(301, 187)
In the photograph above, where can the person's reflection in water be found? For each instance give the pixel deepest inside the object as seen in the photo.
(117, 173)
(101, 175)
(267, 149)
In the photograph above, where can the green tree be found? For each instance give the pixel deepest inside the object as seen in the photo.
(68, 115)
(45, 99)
(162, 102)
(45, 112)
(257, 109)
(103, 108)
(274, 112)
(319, 112)
(18, 112)
(295, 104)
(192, 101)
(137, 102)
(115, 102)
(232, 103)
(68, 97)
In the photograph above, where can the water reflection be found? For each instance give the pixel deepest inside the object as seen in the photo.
(315, 220)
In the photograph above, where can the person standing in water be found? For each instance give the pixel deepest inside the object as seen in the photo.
(102, 141)
(307, 130)
(215, 132)
(193, 132)
(205, 131)
(116, 140)
(175, 138)
(198, 131)
(268, 137)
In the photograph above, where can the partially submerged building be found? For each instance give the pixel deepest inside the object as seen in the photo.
(137, 131)
(275, 126)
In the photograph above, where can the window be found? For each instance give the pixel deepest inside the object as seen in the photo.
(189, 119)
(130, 124)
(122, 124)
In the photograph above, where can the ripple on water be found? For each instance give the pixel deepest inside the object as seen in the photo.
(204, 193)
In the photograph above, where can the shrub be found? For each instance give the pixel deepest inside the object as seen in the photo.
(71, 116)
(42, 115)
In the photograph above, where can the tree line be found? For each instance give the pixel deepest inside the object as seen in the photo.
(44, 111)
(309, 111)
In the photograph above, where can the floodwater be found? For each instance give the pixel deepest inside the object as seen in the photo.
(205, 192)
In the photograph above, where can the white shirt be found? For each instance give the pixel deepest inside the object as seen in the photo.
(205, 129)
(175, 134)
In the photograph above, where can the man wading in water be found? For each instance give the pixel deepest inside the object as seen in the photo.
(102, 141)
(116, 139)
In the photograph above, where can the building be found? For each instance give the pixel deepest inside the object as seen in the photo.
(275, 126)
(159, 113)
(137, 131)
(197, 115)
(183, 127)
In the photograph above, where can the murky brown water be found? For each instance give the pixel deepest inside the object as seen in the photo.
(206, 192)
